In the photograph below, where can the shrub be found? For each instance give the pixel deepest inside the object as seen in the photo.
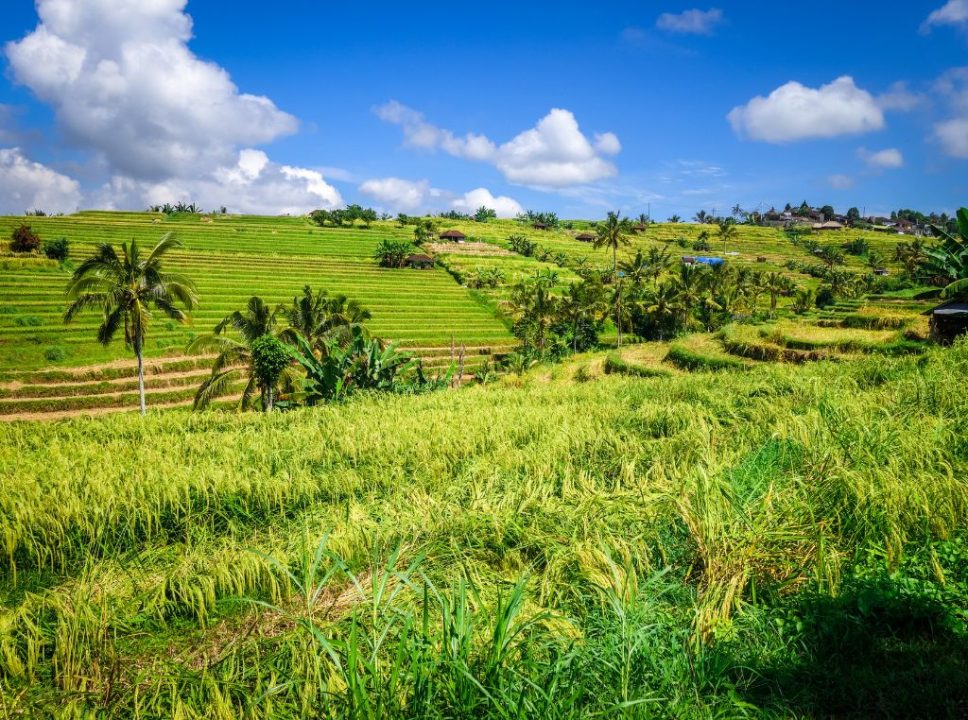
(24, 240)
(29, 321)
(57, 249)
(55, 353)
(825, 296)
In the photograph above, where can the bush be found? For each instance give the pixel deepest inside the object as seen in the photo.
(24, 240)
(29, 321)
(55, 353)
(825, 296)
(57, 249)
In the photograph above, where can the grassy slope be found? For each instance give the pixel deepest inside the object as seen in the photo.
(709, 544)
(232, 258)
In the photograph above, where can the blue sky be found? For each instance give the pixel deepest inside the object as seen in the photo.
(572, 107)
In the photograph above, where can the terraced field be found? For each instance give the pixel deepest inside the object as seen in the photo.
(230, 258)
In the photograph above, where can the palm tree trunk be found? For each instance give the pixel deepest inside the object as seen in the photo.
(618, 305)
(141, 375)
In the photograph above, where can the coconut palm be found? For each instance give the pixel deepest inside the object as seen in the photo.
(316, 316)
(727, 231)
(235, 361)
(776, 284)
(612, 234)
(127, 287)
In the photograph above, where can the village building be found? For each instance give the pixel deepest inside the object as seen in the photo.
(419, 261)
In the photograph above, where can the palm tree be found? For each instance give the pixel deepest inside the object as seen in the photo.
(126, 288)
(316, 316)
(727, 231)
(689, 288)
(775, 284)
(701, 217)
(235, 360)
(948, 261)
(612, 234)
(675, 219)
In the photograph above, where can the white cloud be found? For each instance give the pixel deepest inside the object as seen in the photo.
(124, 85)
(953, 12)
(887, 159)
(398, 194)
(795, 112)
(504, 206)
(691, 22)
(254, 184)
(953, 136)
(840, 182)
(27, 185)
(953, 132)
(554, 153)
(899, 98)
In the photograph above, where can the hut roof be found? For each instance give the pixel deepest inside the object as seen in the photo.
(539, 226)
(951, 308)
(586, 236)
(447, 234)
(419, 257)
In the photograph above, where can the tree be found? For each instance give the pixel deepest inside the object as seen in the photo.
(828, 212)
(612, 234)
(701, 217)
(58, 249)
(235, 359)
(484, 214)
(316, 316)
(534, 306)
(126, 288)
(776, 284)
(269, 358)
(727, 231)
(24, 240)
(853, 215)
(393, 253)
(675, 219)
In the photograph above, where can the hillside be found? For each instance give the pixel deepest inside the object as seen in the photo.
(51, 369)
(773, 541)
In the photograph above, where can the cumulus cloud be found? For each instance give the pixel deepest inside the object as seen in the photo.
(953, 12)
(253, 184)
(840, 182)
(554, 153)
(124, 84)
(504, 206)
(795, 112)
(28, 185)
(691, 22)
(399, 194)
(887, 159)
(952, 133)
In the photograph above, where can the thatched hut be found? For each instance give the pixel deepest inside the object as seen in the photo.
(586, 237)
(419, 261)
(949, 320)
(453, 236)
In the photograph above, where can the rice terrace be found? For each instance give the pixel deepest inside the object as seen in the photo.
(305, 414)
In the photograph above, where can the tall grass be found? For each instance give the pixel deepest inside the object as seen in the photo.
(618, 547)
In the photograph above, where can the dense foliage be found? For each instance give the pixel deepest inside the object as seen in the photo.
(24, 240)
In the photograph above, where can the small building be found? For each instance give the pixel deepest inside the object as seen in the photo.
(419, 261)
(761, 258)
(453, 236)
(829, 225)
(883, 272)
(586, 237)
(539, 226)
(949, 320)
(639, 228)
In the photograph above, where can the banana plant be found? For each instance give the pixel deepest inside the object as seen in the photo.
(948, 261)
